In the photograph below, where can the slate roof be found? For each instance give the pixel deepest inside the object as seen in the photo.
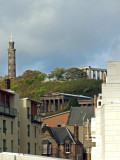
(77, 115)
(80, 97)
(59, 134)
(73, 95)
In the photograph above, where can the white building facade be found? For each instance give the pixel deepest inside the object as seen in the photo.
(107, 120)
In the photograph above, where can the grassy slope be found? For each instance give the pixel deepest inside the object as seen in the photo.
(34, 88)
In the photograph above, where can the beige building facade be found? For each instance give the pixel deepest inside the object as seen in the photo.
(20, 124)
(9, 121)
(30, 126)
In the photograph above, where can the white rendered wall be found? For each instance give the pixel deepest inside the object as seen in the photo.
(108, 116)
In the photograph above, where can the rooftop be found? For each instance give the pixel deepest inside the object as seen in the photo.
(80, 114)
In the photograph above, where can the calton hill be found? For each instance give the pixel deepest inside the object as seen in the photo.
(33, 83)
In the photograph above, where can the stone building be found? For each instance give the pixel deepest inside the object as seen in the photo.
(81, 116)
(30, 126)
(60, 142)
(94, 73)
(11, 60)
(9, 120)
(54, 101)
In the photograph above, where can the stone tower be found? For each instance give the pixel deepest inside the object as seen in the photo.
(11, 60)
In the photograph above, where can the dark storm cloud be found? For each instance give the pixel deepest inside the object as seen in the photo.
(63, 33)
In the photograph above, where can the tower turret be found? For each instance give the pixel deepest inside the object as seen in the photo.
(11, 60)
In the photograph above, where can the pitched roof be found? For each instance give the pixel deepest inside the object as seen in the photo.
(78, 114)
(58, 114)
(59, 134)
(66, 94)
(73, 95)
(9, 91)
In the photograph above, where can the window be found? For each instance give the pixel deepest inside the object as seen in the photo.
(11, 145)
(35, 131)
(67, 147)
(4, 145)
(35, 148)
(28, 148)
(58, 125)
(12, 127)
(4, 126)
(99, 103)
(100, 97)
(46, 148)
(28, 130)
(28, 114)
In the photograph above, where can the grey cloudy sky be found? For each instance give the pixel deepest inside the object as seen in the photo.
(59, 33)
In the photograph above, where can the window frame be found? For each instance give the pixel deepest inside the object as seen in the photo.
(28, 147)
(67, 148)
(4, 126)
(28, 112)
(28, 130)
(47, 150)
(4, 145)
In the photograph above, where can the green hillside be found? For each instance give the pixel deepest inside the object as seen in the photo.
(32, 84)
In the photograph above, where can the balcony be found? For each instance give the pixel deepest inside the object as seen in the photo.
(11, 112)
(36, 119)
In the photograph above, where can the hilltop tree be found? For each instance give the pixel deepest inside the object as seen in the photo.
(74, 73)
(29, 74)
(58, 73)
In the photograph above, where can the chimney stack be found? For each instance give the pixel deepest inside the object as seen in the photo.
(76, 133)
(104, 78)
(7, 83)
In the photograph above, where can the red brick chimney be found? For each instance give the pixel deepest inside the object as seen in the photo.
(76, 133)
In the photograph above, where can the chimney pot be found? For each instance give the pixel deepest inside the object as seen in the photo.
(7, 83)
